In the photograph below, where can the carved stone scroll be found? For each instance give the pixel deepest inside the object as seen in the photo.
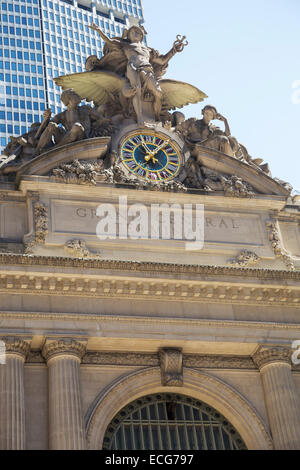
(171, 367)
(40, 228)
(277, 245)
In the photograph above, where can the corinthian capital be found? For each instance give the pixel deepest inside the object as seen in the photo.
(265, 356)
(15, 345)
(63, 347)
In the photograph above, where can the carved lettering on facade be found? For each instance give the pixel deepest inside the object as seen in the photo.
(210, 222)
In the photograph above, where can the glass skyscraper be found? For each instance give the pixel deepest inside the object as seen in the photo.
(43, 39)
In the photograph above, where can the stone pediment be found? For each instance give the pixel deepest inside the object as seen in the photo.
(89, 155)
(84, 150)
(221, 163)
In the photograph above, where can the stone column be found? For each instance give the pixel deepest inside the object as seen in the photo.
(281, 396)
(66, 426)
(12, 401)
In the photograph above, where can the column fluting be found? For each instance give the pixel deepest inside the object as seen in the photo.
(12, 399)
(66, 426)
(281, 396)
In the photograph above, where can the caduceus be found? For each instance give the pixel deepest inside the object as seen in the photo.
(179, 44)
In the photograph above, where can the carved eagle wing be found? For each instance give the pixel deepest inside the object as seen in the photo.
(179, 94)
(100, 87)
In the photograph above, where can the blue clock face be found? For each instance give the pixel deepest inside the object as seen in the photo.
(151, 156)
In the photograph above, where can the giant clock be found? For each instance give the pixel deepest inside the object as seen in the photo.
(151, 155)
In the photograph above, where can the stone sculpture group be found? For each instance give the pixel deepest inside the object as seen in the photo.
(126, 86)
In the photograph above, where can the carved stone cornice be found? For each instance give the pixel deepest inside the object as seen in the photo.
(15, 345)
(147, 288)
(25, 260)
(63, 347)
(171, 367)
(11, 196)
(266, 356)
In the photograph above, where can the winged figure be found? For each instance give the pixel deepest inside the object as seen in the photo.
(129, 75)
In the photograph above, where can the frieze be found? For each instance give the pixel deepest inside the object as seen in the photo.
(218, 362)
(215, 222)
(152, 267)
(82, 221)
(129, 359)
(194, 361)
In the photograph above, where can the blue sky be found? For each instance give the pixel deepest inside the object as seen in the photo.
(245, 56)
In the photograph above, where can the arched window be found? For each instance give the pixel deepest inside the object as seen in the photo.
(170, 422)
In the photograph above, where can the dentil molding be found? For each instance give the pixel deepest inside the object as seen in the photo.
(150, 289)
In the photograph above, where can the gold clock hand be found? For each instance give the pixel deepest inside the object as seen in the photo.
(151, 157)
(161, 147)
(145, 145)
(146, 148)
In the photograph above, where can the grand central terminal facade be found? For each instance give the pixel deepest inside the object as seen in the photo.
(138, 342)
